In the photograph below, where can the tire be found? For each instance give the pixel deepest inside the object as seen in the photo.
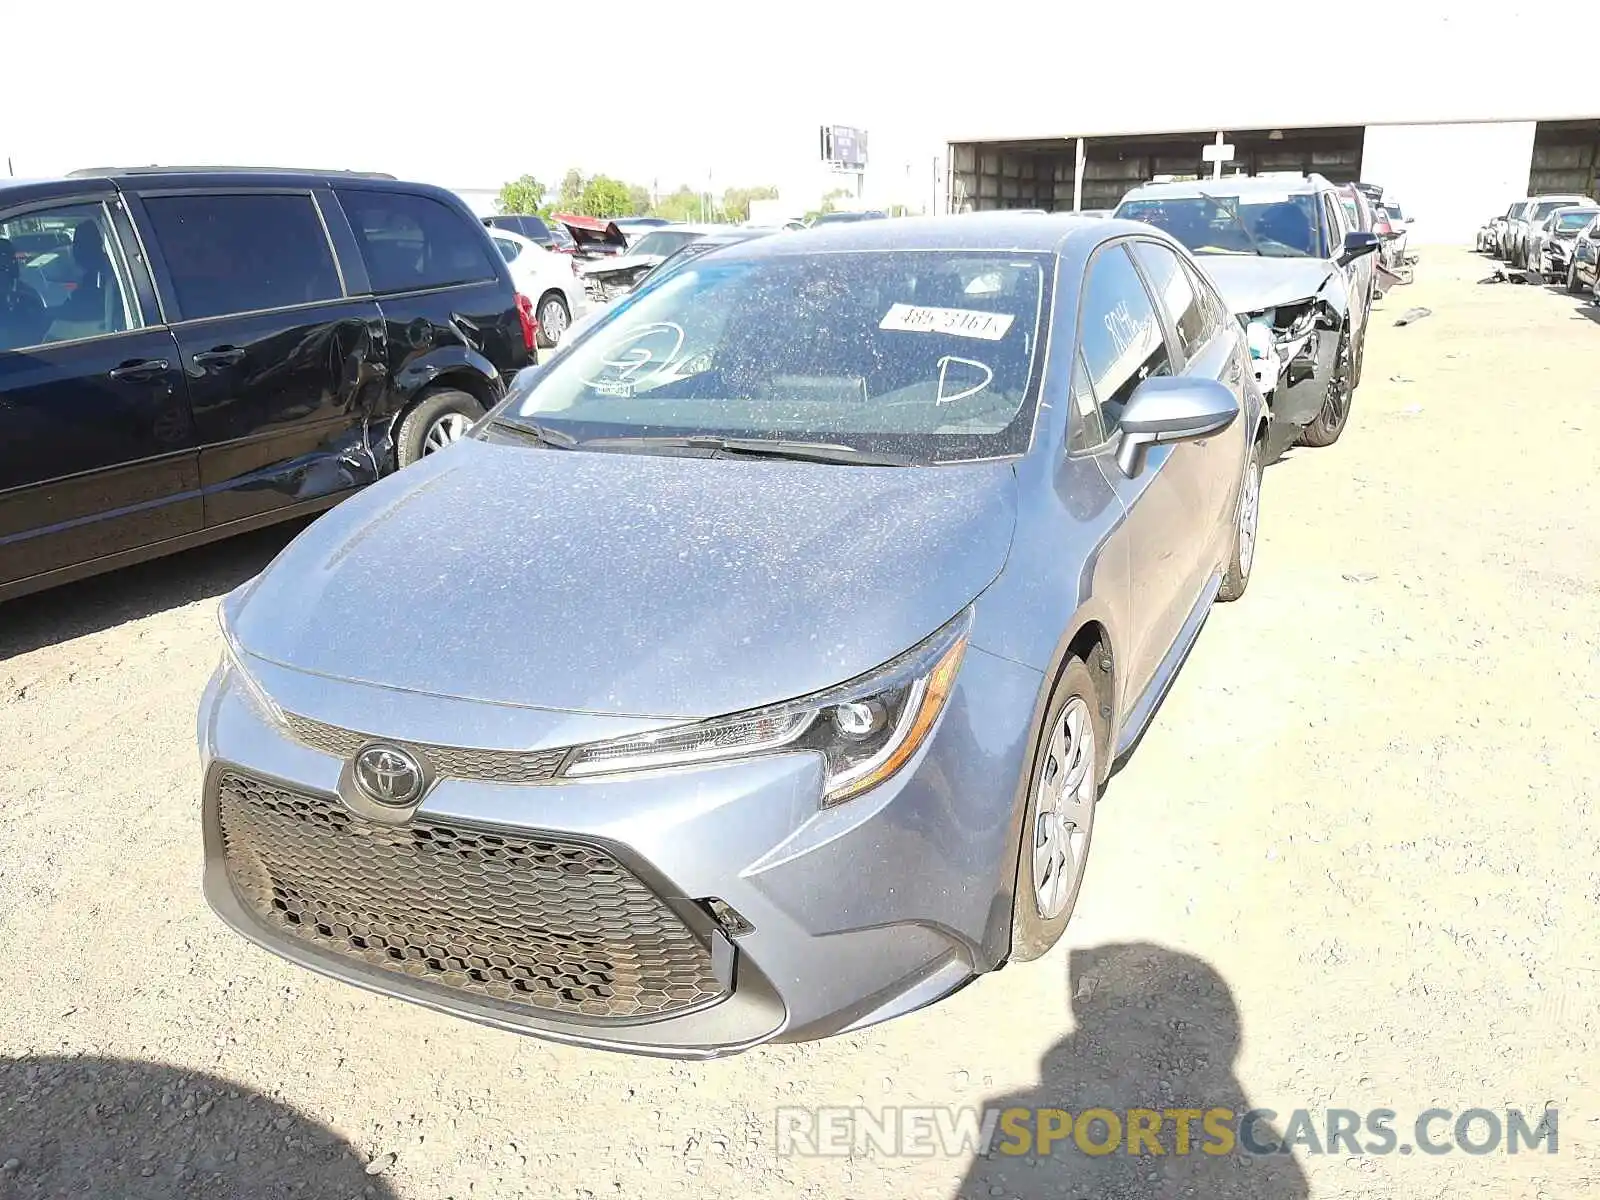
(1361, 350)
(1325, 428)
(439, 417)
(1246, 523)
(1573, 287)
(1075, 699)
(553, 313)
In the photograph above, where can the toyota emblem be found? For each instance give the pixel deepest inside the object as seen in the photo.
(388, 775)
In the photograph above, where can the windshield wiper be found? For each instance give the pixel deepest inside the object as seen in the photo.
(1237, 220)
(821, 452)
(542, 434)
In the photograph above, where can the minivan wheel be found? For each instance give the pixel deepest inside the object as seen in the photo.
(1246, 522)
(554, 318)
(439, 419)
(1325, 428)
(1059, 824)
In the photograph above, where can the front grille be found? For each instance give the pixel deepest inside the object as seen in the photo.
(490, 766)
(532, 921)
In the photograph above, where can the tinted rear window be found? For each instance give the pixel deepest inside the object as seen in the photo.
(411, 242)
(243, 253)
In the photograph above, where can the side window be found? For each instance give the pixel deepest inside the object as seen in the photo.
(62, 277)
(1084, 431)
(1217, 313)
(1119, 336)
(508, 249)
(1179, 300)
(412, 242)
(1335, 224)
(243, 253)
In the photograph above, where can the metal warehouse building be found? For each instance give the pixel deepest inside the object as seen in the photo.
(1454, 175)
(1423, 98)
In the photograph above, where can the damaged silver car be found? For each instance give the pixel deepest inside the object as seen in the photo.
(1302, 281)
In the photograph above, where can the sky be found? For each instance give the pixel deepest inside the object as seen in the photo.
(728, 93)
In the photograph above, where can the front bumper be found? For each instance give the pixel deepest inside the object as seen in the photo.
(840, 918)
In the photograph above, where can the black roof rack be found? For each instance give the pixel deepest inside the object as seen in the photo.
(98, 172)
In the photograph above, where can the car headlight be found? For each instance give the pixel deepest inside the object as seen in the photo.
(233, 659)
(866, 730)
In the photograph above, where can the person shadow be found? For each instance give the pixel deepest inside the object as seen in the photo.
(1156, 1030)
(120, 1129)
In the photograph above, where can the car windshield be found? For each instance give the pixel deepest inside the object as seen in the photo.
(1281, 226)
(1547, 207)
(925, 355)
(663, 241)
(1571, 222)
(1394, 211)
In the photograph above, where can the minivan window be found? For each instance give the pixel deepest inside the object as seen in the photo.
(412, 242)
(62, 277)
(928, 355)
(242, 252)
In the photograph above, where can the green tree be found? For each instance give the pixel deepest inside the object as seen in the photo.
(524, 195)
(681, 205)
(638, 200)
(572, 185)
(605, 197)
(736, 200)
(828, 204)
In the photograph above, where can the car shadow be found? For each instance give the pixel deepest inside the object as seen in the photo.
(104, 601)
(114, 1127)
(1156, 1030)
(1589, 310)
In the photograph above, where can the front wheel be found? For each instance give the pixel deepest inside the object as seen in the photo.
(1246, 521)
(1058, 826)
(1573, 286)
(1325, 428)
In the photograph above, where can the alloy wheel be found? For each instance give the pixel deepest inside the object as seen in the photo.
(553, 320)
(1249, 510)
(1064, 810)
(448, 429)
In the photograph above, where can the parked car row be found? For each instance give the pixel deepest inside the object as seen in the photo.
(1535, 233)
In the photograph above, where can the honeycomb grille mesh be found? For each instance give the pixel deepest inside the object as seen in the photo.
(550, 925)
(492, 766)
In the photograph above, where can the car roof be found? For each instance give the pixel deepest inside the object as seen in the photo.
(1242, 186)
(686, 227)
(149, 178)
(998, 230)
(514, 236)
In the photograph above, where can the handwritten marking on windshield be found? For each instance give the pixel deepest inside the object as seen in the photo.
(627, 356)
(944, 368)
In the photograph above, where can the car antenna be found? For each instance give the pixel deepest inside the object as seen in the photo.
(1239, 221)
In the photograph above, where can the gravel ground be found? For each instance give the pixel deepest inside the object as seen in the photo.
(1353, 865)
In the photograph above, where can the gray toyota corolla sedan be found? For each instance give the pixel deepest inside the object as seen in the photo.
(752, 671)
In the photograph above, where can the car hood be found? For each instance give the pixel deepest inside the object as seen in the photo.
(605, 268)
(628, 584)
(1250, 284)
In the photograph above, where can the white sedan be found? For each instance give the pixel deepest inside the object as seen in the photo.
(549, 279)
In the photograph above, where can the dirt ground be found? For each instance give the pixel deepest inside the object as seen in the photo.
(1353, 865)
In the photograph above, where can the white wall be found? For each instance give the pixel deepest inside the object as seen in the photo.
(1453, 177)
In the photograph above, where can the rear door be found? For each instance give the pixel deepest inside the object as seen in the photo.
(280, 360)
(97, 447)
(444, 303)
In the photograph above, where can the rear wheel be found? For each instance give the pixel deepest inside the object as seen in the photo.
(1063, 790)
(1328, 424)
(554, 318)
(1246, 521)
(439, 419)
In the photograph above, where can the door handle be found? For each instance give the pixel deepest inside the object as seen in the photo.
(140, 370)
(222, 356)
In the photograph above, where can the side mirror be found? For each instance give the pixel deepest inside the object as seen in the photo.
(1356, 244)
(1164, 410)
